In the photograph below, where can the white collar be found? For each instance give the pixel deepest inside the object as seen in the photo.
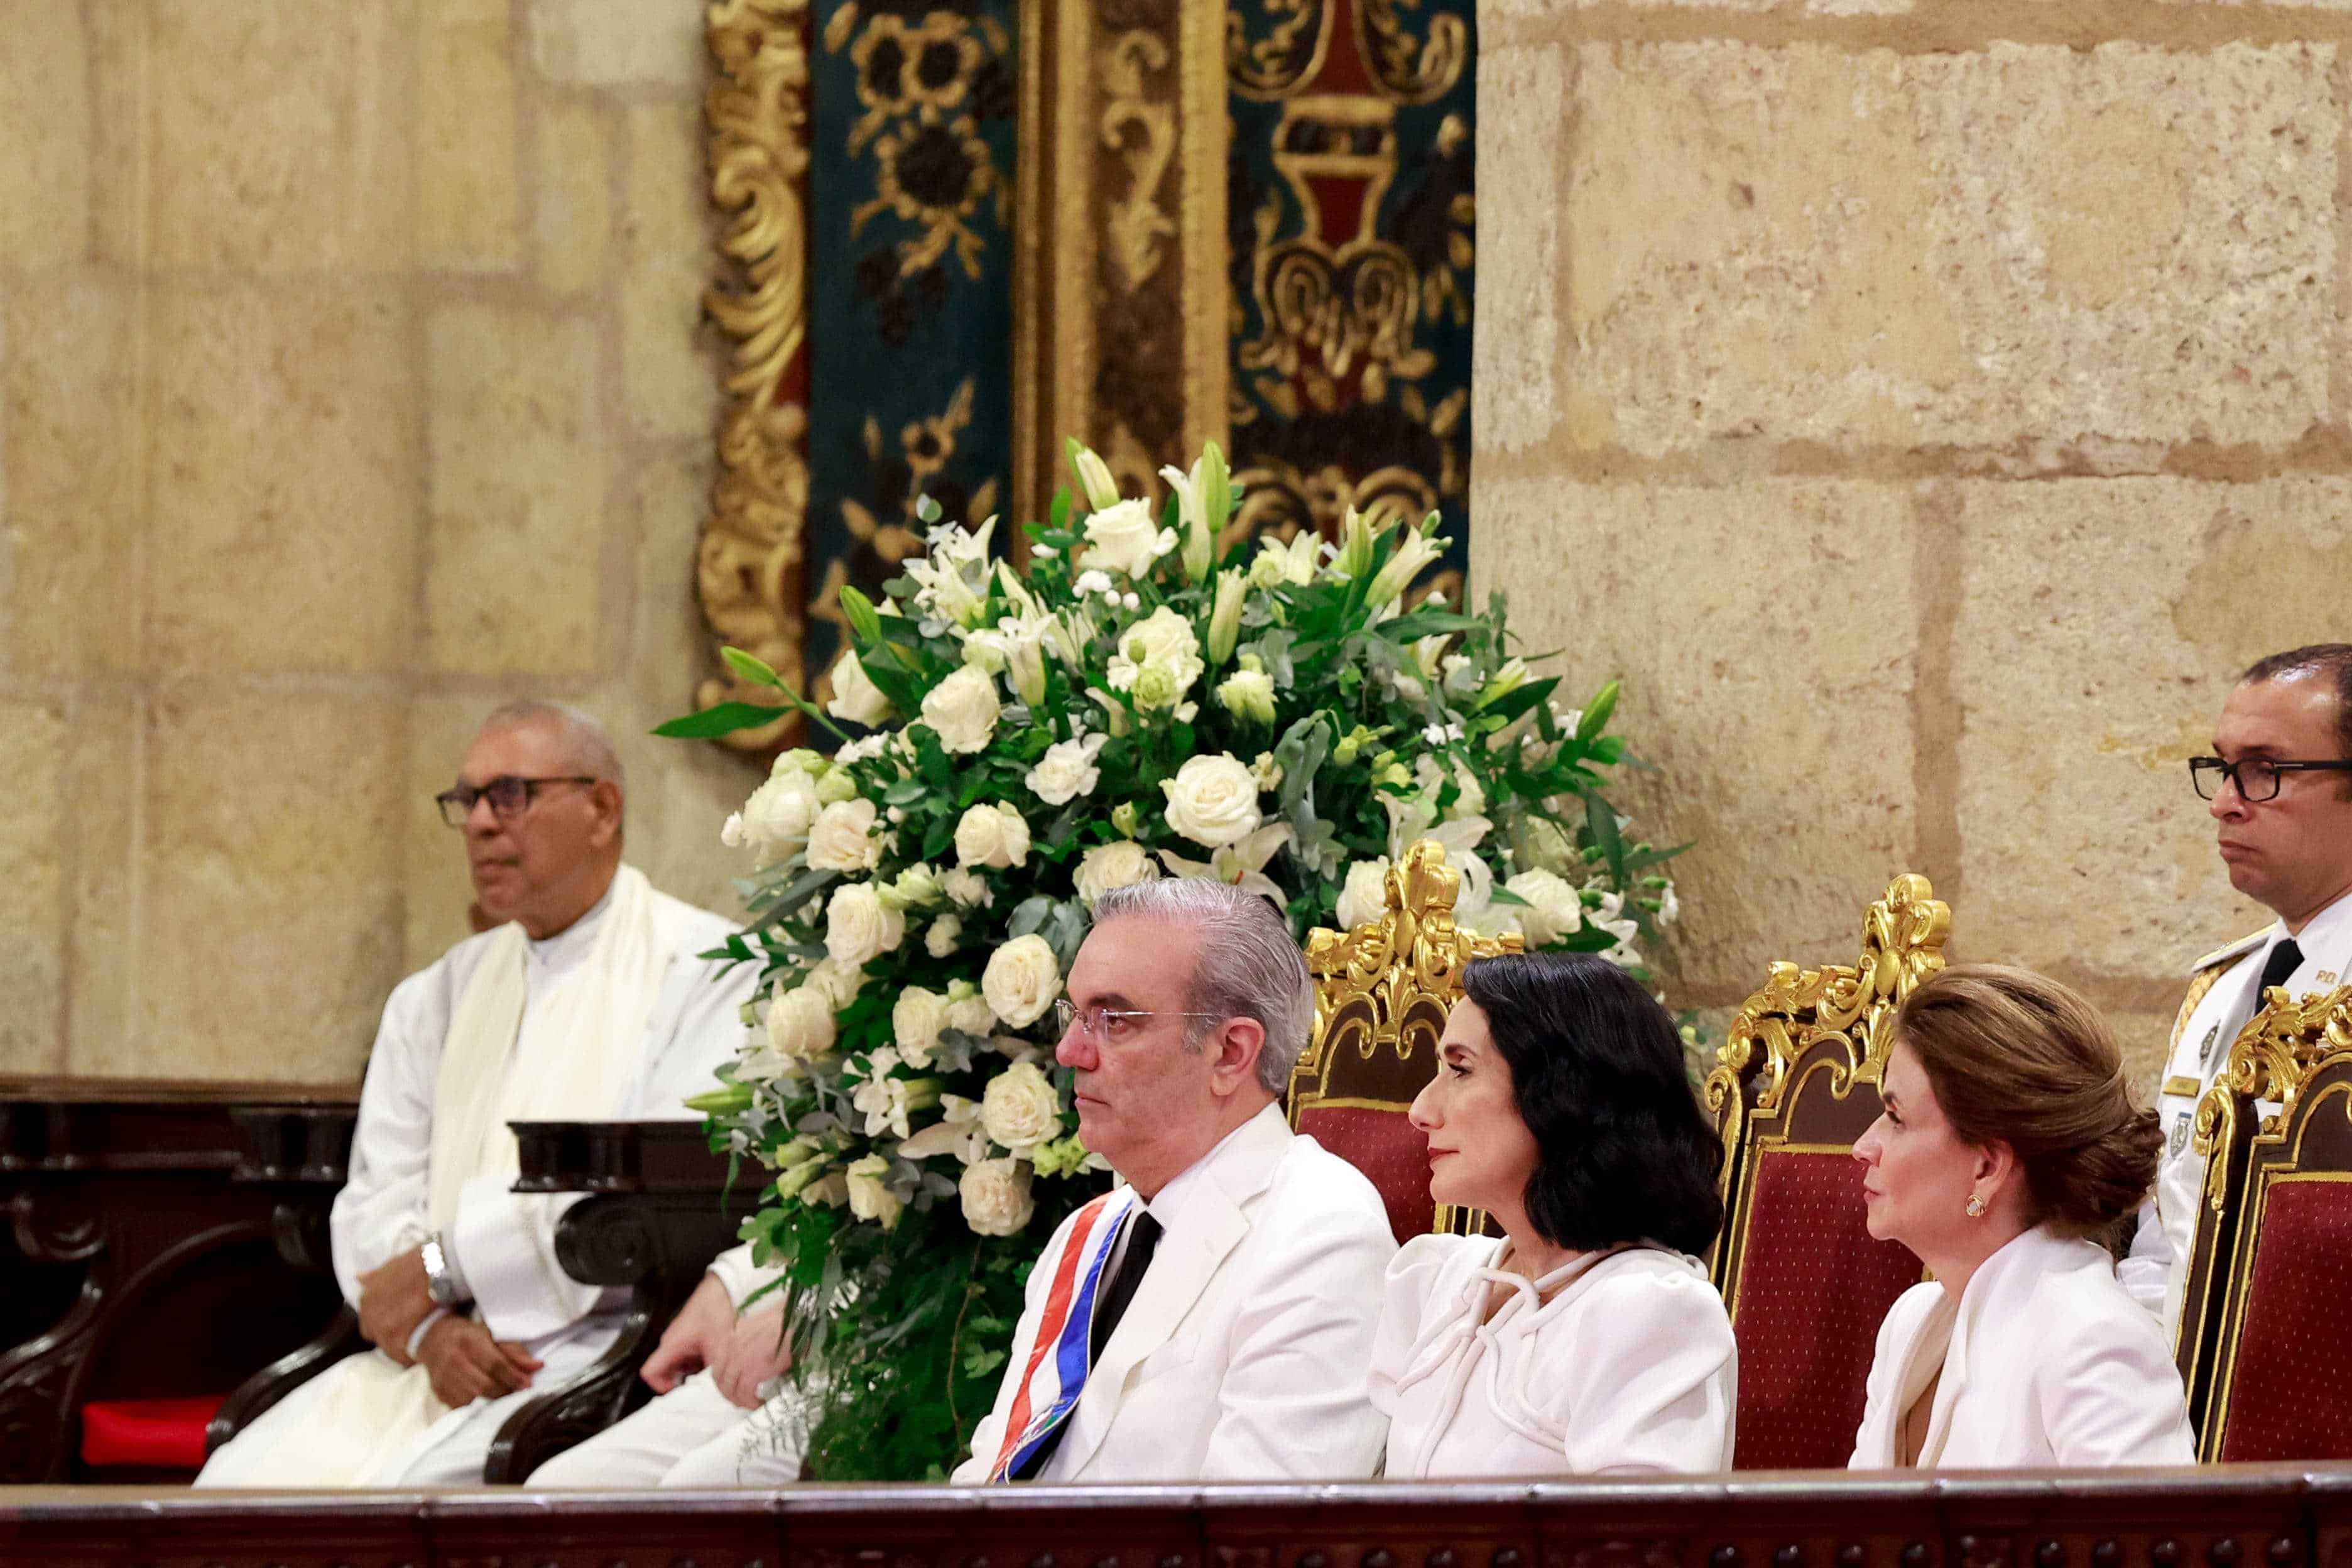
(1185, 1188)
(575, 940)
(2328, 932)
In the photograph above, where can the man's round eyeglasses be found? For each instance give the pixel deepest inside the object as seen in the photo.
(509, 796)
(1104, 1025)
(2257, 778)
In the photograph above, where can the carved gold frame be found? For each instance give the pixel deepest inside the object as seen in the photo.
(1387, 985)
(2296, 1053)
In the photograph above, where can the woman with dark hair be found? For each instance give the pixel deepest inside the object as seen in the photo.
(1586, 1342)
(2010, 1148)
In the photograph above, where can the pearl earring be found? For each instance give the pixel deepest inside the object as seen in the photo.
(1976, 1206)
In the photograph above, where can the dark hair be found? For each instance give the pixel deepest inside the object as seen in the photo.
(1624, 1153)
(2018, 1057)
(2331, 661)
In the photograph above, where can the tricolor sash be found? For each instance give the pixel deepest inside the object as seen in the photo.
(1061, 1356)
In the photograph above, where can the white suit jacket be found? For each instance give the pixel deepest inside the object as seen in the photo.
(2155, 1271)
(1244, 1354)
(2047, 1362)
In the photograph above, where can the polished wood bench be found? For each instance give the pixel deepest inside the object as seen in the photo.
(164, 1240)
(2232, 1517)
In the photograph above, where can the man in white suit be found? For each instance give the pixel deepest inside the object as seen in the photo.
(1214, 1318)
(2280, 782)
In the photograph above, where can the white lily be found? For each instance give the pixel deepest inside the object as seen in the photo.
(958, 1132)
(1241, 865)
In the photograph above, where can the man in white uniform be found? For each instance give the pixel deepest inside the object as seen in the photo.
(586, 1002)
(2281, 784)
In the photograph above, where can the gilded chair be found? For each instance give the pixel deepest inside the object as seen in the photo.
(2265, 1340)
(1795, 1083)
(1382, 993)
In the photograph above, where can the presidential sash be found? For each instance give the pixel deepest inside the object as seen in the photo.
(1062, 1355)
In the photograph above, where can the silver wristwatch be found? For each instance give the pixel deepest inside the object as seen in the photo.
(439, 1282)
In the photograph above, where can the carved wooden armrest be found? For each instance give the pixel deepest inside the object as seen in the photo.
(661, 1206)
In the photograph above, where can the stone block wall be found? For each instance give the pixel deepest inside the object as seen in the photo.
(350, 382)
(1927, 406)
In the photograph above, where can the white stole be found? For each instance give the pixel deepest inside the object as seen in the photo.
(576, 1063)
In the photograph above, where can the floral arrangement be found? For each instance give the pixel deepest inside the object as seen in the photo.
(1151, 698)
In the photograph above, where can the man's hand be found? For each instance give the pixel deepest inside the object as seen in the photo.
(695, 1338)
(468, 1364)
(394, 1300)
(753, 1354)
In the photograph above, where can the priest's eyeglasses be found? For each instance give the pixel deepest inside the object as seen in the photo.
(509, 796)
(2257, 778)
(1102, 1026)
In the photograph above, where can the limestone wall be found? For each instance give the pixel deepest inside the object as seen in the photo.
(1928, 405)
(349, 383)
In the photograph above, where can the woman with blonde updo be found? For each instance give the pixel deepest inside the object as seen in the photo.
(2009, 1151)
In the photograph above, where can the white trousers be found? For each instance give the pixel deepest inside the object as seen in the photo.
(691, 1436)
(450, 1455)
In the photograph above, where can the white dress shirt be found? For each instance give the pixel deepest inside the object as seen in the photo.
(1630, 1369)
(2156, 1272)
(2046, 1363)
(1243, 1354)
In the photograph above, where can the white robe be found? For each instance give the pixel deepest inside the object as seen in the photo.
(502, 1241)
(2047, 1362)
(2156, 1272)
(1243, 1354)
(1630, 1369)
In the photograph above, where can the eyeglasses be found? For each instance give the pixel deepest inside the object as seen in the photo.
(2257, 778)
(509, 796)
(1104, 1026)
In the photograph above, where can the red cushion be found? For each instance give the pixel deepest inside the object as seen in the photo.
(159, 1434)
(1812, 1290)
(2294, 1353)
(1388, 1148)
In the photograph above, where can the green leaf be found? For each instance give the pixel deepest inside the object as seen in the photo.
(1600, 820)
(723, 719)
(1428, 623)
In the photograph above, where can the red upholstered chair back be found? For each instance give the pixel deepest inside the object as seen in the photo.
(2266, 1325)
(1382, 993)
(1794, 1085)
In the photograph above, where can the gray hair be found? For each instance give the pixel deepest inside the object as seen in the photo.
(1249, 965)
(587, 743)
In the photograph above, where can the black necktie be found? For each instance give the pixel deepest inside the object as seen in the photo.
(1142, 1240)
(2284, 959)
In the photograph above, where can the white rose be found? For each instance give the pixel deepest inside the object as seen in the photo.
(1124, 538)
(1067, 770)
(916, 1020)
(1022, 980)
(1212, 800)
(800, 1023)
(1248, 694)
(843, 838)
(1161, 637)
(869, 1197)
(940, 940)
(963, 708)
(779, 816)
(995, 1195)
(1110, 866)
(970, 1015)
(855, 697)
(837, 983)
(859, 927)
(1019, 1109)
(993, 836)
(1362, 899)
(1553, 909)
(968, 888)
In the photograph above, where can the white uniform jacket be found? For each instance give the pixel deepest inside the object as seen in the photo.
(2046, 1363)
(1243, 1354)
(1630, 1369)
(2221, 999)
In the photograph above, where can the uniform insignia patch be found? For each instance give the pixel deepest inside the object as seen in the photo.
(2179, 1133)
(2325, 977)
(2205, 1051)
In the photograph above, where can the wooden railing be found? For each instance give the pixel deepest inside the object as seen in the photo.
(2235, 1517)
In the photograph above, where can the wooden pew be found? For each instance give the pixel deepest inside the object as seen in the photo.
(165, 1240)
(2234, 1517)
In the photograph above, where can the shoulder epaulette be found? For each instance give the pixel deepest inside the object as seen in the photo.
(2222, 955)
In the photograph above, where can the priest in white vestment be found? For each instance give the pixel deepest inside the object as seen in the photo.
(2280, 784)
(586, 1002)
